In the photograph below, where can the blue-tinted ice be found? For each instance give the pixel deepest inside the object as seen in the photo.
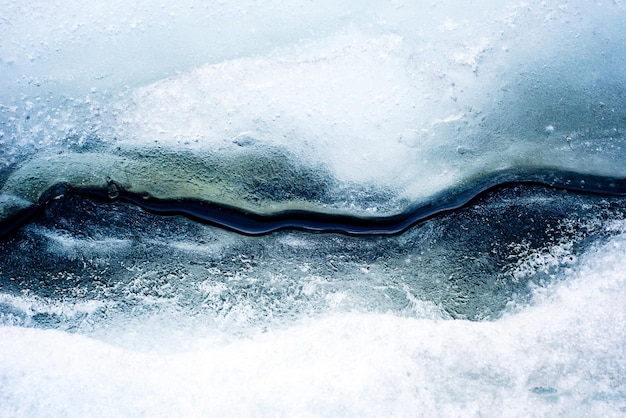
(255, 208)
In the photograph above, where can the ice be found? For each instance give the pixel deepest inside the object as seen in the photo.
(371, 109)
(504, 297)
(468, 264)
(333, 104)
(64, 43)
(557, 355)
(400, 102)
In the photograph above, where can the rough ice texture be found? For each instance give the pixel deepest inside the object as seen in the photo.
(372, 110)
(408, 98)
(558, 356)
(367, 103)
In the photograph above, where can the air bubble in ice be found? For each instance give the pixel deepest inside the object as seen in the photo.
(244, 139)
(113, 191)
(543, 390)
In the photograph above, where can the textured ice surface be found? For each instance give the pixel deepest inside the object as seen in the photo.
(398, 102)
(468, 264)
(511, 306)
(562, 352)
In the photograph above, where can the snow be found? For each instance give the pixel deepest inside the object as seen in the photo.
(363, 108)
(557, 355)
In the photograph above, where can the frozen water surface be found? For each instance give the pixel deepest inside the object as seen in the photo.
(514, 304)
(315, 209)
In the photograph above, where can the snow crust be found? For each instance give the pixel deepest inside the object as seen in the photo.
(375, 104)
(562, 353)
(411, 97)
